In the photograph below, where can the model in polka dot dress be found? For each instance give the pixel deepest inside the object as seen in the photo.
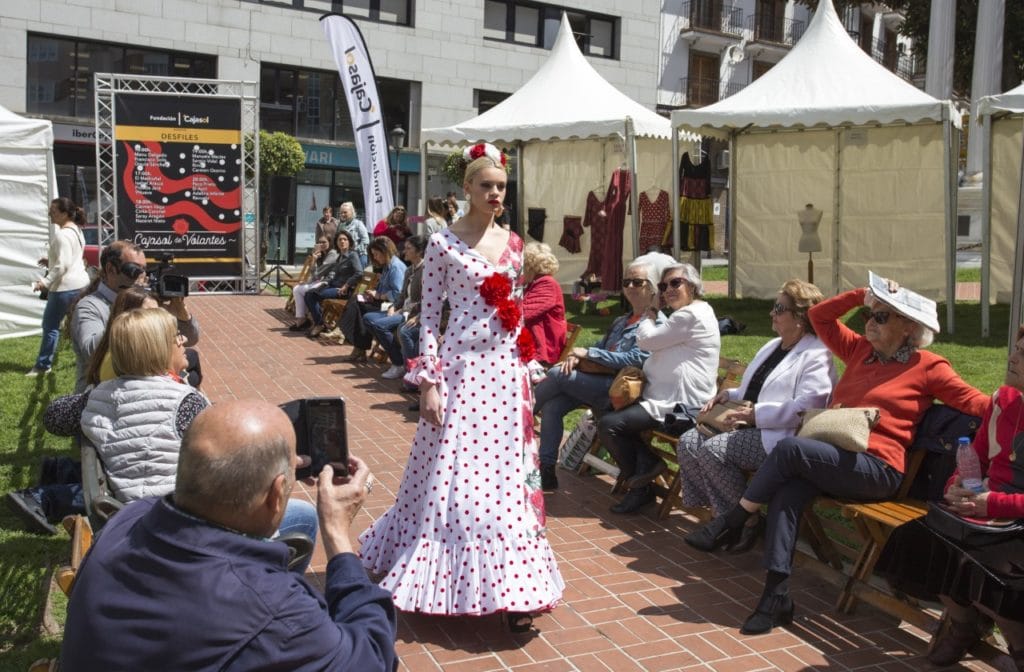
(466, 533)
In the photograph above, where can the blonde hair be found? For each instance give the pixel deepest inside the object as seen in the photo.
(474, 167)
(128, 298)
(141, 342)
(804, 295)
(539, 260)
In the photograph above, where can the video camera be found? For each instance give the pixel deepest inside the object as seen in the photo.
(164, 284)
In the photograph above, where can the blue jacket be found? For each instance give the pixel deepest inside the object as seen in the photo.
(391, 277)
(162, 590)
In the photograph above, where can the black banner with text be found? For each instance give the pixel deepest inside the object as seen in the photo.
(179, 168)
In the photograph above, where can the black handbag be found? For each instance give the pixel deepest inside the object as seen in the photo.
(971, 531)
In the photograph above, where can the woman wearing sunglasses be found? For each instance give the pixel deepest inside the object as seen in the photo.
(790, 374)
(585, 376)
(682, 369)
(886, 369)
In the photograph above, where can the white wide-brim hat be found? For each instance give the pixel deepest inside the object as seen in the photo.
(908, 303)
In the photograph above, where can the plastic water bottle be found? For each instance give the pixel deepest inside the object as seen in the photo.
(968, 466)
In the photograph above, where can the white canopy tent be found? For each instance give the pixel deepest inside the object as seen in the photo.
(572, 129)
(829, 126)
(28, 183)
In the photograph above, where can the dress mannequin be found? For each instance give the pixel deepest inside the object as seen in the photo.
(810, 243)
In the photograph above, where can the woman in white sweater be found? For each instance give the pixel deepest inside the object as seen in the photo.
(65, 279)
(682, 369)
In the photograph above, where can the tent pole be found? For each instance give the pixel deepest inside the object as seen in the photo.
(520, 191)
(634, 205)
(674, 192)
(837, 210)
(1016, 313)
(986, 222)
(950, 202)
(423, 181)
(730, 219)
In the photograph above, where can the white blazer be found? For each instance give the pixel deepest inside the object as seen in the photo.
(802, 380)
(683, 366)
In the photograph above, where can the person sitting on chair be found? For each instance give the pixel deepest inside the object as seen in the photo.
(405, 310)
(392, 274)
(324, 257)
(205, 585)
(338, 280)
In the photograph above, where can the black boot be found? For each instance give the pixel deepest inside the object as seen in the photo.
(953, 645)
(548, 479)
(772, 610)
(634, 500)
(714, 535)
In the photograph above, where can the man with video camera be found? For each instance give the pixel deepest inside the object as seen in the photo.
(123, 264)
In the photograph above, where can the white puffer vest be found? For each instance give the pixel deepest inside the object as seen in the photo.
(131, 421)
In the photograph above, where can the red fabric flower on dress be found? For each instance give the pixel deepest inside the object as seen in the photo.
(508, 313)
(496, 289)
(527, 348)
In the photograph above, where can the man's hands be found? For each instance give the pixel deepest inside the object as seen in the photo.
(176, 306)
(338, 500)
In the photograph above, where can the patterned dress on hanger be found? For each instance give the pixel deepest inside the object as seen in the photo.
(466, 533)
(695, 209)
(655, 228)
(595, 217)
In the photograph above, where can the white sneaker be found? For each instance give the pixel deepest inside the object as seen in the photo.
(394, 373)
(36, 371)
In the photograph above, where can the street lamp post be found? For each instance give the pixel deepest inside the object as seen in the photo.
(397, 138)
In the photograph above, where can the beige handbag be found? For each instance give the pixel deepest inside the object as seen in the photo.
(627, 388)
(716, 419)
(846, 428)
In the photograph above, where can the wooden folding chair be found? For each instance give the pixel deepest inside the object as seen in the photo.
(301, 278)
(81, 539)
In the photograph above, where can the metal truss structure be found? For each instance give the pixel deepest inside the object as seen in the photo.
(108, 86)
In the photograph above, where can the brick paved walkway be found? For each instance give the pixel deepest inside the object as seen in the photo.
(637, 597)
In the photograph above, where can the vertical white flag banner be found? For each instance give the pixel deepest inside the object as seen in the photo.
(364, 108)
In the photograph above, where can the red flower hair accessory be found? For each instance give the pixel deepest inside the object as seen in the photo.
(480, 149)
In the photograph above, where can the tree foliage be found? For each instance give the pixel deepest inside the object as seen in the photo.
(917, 15)
(280, 155)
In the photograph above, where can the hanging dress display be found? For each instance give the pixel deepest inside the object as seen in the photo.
(572, 231)
(695, 212)
(655, 222)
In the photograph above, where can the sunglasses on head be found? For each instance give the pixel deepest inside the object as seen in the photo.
(674, 283)
(633, 282)
(879, 316)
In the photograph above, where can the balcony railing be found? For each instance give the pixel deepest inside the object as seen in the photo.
(712, 15)
(765, 28)
(701, 91)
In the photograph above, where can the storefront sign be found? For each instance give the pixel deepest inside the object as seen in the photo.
(74, 133)
(179, 179)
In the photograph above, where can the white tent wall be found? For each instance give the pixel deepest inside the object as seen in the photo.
(893, 211)
(558, 176)
(27, 184)
(1007, 139)
(777, 174)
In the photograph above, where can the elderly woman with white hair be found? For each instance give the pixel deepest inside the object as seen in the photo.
(681, 370)
(543, 305)
(885, 369)
(585, 376)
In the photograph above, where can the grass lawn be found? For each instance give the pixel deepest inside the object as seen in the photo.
(27, 560)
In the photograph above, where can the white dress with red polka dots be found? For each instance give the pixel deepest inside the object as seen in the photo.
(466, 533)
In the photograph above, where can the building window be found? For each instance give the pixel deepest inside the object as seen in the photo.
(60, 72)
(485, 100)
(310, 103)
(536, 25)
(398, 12)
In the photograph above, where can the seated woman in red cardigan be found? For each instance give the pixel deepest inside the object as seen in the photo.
(543, 306)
